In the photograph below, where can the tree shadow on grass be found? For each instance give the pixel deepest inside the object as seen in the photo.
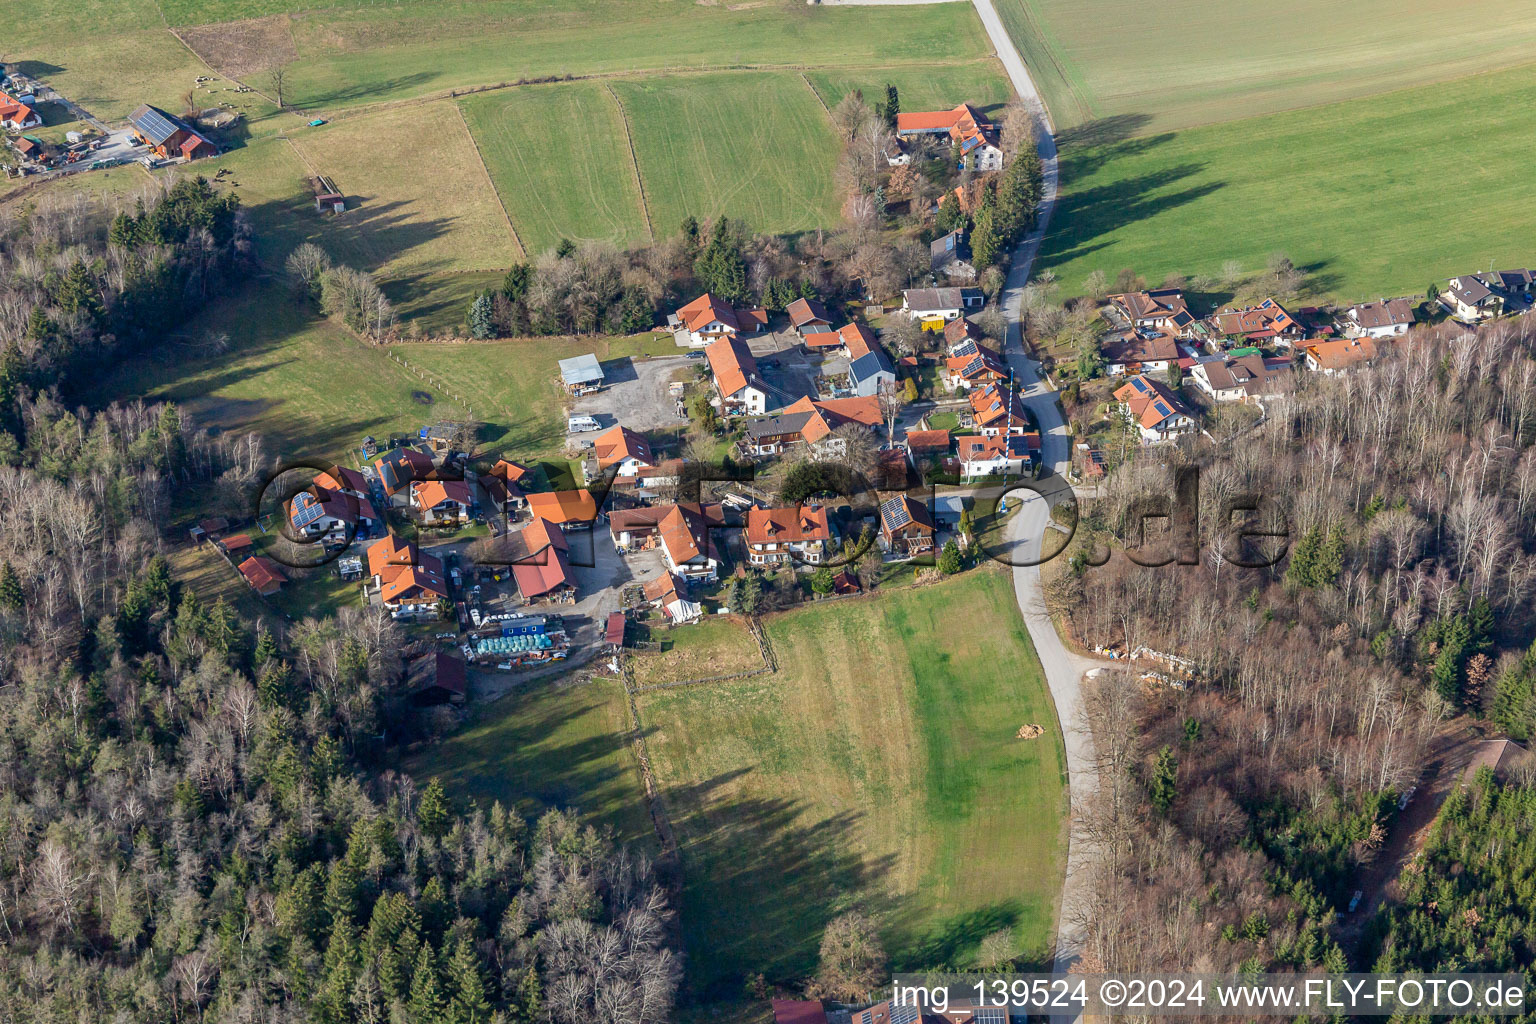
(760, 884)
(361, 90)
(1088, 214)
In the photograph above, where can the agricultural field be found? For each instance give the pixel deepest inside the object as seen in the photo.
(348, 55)
(577, 184)
(981, 83)
(1373, 197)
(874, 769)
(410, 214)
(1190, 62)
(545, 746)
(755, 146)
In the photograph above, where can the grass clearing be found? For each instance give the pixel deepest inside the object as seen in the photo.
(1375, 197)
(409, 213)
(877, 768)
(548, 746)
(756, 146)
(720, 645)
(1188, 62)
(578, 183)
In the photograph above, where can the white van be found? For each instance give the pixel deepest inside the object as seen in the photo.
(580, 424)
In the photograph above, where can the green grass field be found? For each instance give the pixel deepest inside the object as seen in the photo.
(935, 87)
(577, 182)
(1376, 197)
(756, 146)
(547, 746)
(877, 768)
(1188, 62)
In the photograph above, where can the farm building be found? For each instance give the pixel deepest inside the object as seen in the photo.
(807, 315)
(581, 374)
(541, 566)
(973, 134)
(328, 198)
(167, 136)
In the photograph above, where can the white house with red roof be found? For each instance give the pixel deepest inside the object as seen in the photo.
(1156, 411)
(778, 535)
(707, 319)
(739, 388)
(16, 115)
(441, 502)
(625, 451)
(973, 134)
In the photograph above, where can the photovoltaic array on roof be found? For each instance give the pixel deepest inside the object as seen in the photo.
(155, 125)
(1139, 384)
(905, 1015)
(306, 509)
(1160, 407)
(990, 1015)
(895, 513)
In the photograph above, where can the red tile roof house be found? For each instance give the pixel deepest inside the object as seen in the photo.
(906, 527)
(798, 1011)
(670, 594)
(1155, 410)
(961, 329)
(972, 365)
(811, 422)
(996, 455)
(739, 389)
(408, 582)
(996, 410)
(442, 502)
(687, 540)
(569, 510)
(541, 565)
(1330, 357)
(16, 115)
(1163, 310)
(1266, 322)
(974, 134)
(1138, 351)
(398, 467)
(776, 536)
(623, 448)
(807, 315)
(706, 320)
(263, 574)
(1381, 319)
(323, 512)
(502, 485)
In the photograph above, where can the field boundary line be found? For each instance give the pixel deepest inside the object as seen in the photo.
(659, 819)
(818, 96)
(634, 160)
(764, 650)
(222, 74)
(480, 159)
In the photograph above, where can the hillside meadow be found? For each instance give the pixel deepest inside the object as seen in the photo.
(1373, 197)
(878, 768)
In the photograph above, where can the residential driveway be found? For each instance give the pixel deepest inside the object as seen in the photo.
(636, 394)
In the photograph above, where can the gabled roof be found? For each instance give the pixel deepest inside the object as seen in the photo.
(321, 502)
(543, 565)
(665, 589)
(1150, 401)
(705, 309)
(1135, 347)
(399, 466)
(1385, 313)
(1343, 353)
(996, 402)
(826, 416)
(974, 447)
(155, 124)
(1268, 315)
(936, 298)
(1151, 305)
(869, 365)
(400, 566)
(928, 440)
(787, 525)
(858, 339)
(807, 311)
(963, 118)
(904, 510)
(262, 573)
(959, 329)
(731, 361)
(432, 493)
(619, 443)
(342, 478)
(685, 531)
(798, 1011)
(974, 362)
(561, 507)
(1250, 372)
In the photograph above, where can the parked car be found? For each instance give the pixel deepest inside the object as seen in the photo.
(505, 666)
(1354, 901)
(447, 636)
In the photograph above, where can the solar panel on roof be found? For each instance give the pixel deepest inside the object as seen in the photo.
(1139, 384)
(154, 124)
(905, 1015)
(1160, 407)
(306, 509)
(990, 1015)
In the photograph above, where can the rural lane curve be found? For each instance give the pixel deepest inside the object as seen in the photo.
(1064, 669)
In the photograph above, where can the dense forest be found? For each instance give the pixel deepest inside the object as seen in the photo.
(1325, 682)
